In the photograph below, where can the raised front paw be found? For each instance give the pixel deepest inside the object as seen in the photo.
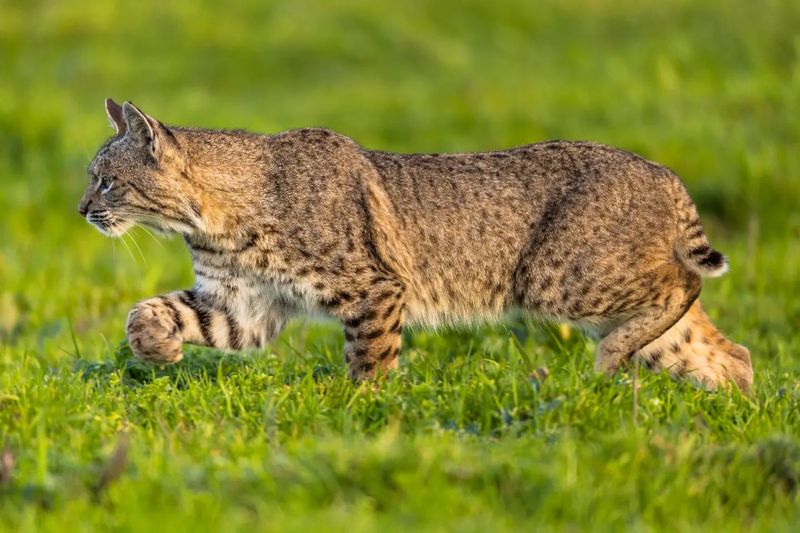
(153, 334)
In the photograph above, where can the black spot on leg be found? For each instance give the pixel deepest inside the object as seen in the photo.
(386, 294)
(374, 334)
(679, 367)
(656, 356)
(676, 348)
(388, 312)
(176, 316)
(396, 327)
(385, 354)
(203, 315)
(234, 332)
(653, 361)
(349, 337)
(255, 340)
(353, 323)
(687, 336)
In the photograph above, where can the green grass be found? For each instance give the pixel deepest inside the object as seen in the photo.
(462, 437)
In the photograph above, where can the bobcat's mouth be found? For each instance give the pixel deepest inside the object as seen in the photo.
(108, 224)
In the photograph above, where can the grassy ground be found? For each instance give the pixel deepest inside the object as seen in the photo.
(462, 437)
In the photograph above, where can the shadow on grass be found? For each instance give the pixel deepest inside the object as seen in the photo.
(205, 364)
(197, 364)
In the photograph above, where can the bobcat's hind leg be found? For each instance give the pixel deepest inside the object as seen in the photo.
(373, 330)
(642, 327)
(693, 348)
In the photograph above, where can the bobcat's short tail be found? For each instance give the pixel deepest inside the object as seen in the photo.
(703, 259)
(692, 246)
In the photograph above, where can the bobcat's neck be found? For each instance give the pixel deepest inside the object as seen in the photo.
(225, 171)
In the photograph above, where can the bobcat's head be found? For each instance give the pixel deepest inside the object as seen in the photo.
(139, 177)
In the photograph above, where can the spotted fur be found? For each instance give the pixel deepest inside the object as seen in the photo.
(695, 349)
(309, 221)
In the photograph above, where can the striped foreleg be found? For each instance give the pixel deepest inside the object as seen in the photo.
(157, 328)
(373, 329)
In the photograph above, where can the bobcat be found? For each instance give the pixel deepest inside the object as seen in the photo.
(308, 220)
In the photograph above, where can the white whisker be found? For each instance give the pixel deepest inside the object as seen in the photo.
(136, 243)
(122, 240)
(161, 244)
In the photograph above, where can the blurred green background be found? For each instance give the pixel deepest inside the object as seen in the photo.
(710, 88)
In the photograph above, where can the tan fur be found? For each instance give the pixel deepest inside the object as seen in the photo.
(309, 221)
(694, 348)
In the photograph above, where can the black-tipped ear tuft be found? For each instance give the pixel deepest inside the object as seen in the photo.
(114, 112)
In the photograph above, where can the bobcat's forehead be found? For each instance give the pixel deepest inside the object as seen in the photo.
(103, 157)
(112, 158)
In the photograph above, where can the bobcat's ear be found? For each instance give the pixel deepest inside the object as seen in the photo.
(114, 112)
(144, 129)
(137, 124)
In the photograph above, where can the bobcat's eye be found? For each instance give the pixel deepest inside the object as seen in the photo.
(105, 184)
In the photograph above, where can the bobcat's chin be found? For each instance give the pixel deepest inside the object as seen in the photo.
(117, 230)
(108, 224)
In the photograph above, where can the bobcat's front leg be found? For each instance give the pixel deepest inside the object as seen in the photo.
(373, 330)
(158, 327)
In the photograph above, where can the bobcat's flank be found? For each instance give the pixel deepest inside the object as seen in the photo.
(308, 220)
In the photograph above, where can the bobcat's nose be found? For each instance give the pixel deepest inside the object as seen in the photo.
(83, 208)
